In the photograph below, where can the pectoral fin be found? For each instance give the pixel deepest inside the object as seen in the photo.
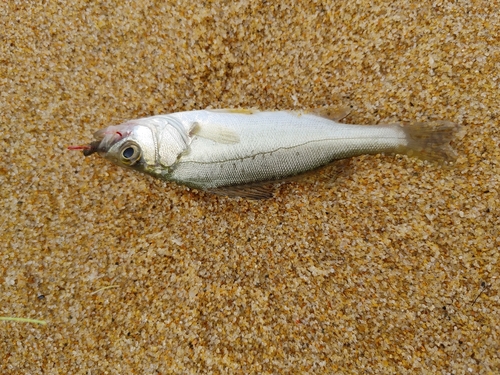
(216, 133)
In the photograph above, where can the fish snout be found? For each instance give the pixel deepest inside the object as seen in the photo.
(92, 148)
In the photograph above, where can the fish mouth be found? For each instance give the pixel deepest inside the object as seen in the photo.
(87, 149)
(92, 148)
(103, 140)
(97, 145)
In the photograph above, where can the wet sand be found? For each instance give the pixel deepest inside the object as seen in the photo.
(377, 265)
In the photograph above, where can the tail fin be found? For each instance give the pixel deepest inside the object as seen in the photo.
(431, 140)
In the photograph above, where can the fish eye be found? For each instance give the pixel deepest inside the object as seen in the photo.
(130, 153)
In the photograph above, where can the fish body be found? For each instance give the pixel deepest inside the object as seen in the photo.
(227, 151)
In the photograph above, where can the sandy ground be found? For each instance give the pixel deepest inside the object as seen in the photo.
(384, 265)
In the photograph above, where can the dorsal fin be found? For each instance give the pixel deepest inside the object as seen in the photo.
(241, 111)
(331, 113)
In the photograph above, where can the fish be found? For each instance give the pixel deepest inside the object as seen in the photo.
(244, 152)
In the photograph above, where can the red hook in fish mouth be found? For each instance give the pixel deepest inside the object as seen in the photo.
(93, 147)
(87, 149)
(84, 147)
(103, 139)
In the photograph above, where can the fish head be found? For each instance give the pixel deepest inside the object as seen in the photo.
(130, 145)
(150, 145)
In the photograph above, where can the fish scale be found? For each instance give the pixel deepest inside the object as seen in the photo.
(275, 145)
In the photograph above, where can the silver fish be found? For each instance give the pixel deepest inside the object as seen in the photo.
(235, 152)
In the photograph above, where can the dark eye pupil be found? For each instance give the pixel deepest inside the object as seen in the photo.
(128, 152)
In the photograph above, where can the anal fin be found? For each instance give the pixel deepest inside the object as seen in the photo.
(257, 190)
